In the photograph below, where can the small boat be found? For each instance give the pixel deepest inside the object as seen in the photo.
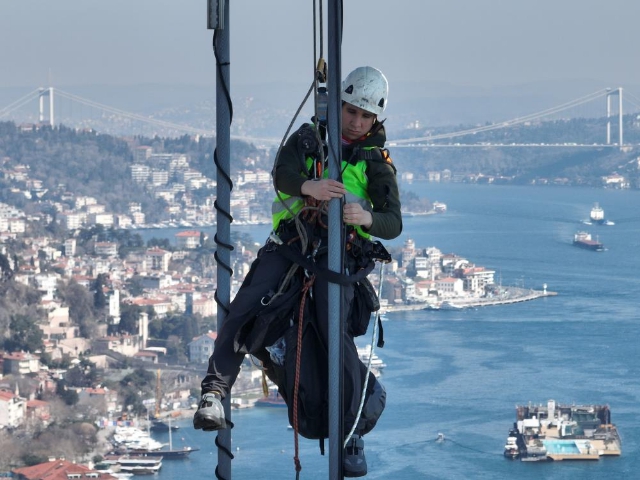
(365, 352)
(511, 447)
(273, 399)
(160, 426)
(170, 453)
(450, 306)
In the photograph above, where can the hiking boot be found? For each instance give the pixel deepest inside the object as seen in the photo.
(354, 463)
(210, 414)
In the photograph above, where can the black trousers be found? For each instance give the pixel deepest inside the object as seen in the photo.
(264, 276)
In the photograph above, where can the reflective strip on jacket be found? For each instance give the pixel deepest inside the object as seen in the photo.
(354, 178)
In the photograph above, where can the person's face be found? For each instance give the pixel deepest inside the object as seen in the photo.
(355, 121)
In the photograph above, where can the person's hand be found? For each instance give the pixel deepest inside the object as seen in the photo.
(354, 214)
(324, 189)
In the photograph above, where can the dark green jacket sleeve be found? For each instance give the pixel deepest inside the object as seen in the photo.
(385, 197)
(289, 175)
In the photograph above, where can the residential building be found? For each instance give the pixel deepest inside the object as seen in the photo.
(201, 348)
(20, 363)
(109, 249)
(158, 259)
(189, 239)
(13, 409)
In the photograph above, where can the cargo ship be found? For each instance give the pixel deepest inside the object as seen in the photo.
(562, 432)
(584, 240)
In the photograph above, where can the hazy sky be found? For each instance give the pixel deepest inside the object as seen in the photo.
(464, 42)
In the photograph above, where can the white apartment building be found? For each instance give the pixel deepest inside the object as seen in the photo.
(189, 239)
(72, 220)
(105, 219)
(70, 247)
(12, 409)
(449, 286)
(109, 249)
(159, 177)
(140, 173)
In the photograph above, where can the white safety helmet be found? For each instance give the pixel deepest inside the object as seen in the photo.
(366, 88)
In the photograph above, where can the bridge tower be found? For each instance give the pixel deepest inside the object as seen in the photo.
(46, 92)
(611, 93)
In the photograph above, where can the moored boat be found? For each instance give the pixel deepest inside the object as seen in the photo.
(135, 464)
(511, 447)
(273, 399)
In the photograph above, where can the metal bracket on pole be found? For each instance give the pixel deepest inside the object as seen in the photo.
(215, 14)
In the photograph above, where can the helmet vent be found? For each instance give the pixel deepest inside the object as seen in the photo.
(349, 89)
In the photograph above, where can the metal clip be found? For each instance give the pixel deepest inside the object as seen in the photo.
(275, 238)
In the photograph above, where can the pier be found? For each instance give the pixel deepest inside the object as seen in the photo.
(508, 296)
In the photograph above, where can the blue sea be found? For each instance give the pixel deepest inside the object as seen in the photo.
(461, 373)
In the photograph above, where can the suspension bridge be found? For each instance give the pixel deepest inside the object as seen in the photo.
(608, 103)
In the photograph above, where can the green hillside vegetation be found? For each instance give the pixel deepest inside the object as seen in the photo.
(85, 163)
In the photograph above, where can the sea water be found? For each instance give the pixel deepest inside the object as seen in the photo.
(461, 373)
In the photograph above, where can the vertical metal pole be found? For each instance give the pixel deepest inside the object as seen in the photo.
(608, 118)
(223, 200)
(334, 120)
(620, 115)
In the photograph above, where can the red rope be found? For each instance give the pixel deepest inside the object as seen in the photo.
(296, 383)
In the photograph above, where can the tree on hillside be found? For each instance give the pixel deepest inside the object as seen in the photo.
(24, 335)
(129, 318)
(99, 297)
(80, 302)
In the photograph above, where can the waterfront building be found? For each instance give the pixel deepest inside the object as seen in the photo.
(450, 286)
(189, 239)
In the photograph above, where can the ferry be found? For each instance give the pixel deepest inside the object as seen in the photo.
(563, 432)
(584, 240)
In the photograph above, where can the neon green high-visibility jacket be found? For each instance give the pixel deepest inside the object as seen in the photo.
(369, 181)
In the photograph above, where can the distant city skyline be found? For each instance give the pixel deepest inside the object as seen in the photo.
(469, 43)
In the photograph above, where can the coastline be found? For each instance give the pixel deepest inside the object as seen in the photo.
(513, 295)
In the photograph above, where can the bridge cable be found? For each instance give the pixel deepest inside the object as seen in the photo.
(19, 103)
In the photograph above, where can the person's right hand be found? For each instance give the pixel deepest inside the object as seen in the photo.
(324, 189)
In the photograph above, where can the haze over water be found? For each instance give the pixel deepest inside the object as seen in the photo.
(461, 373)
